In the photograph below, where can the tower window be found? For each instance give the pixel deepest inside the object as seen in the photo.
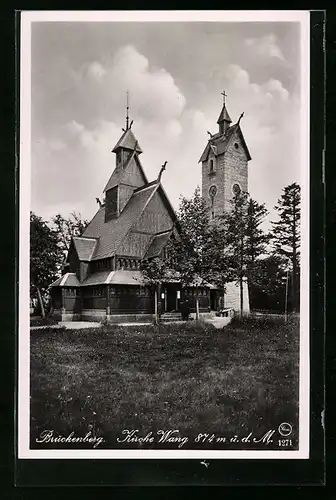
(111, 203)
(236, 145)
(212, 166)
(236, 189)
(212, 193)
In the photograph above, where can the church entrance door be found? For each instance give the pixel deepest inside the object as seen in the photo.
(172, 297)
(213, 300)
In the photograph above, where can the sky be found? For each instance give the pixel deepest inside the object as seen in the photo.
(174, 73)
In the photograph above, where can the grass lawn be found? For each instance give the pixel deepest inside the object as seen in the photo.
(191, 378)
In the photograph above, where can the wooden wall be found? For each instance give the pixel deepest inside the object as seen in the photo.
(94, 297)
(71, 300)
(130, 299)
(56, 297)
(204, 299)
(118, 299)
(84, 271)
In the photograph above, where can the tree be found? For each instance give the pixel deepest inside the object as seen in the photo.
(45, 256)
(245, 241)
(256, 239)
(267, 290)
(155, 271)
(74, 225)
(197, 255)
(286, 235)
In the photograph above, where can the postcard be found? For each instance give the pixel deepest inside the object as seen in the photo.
(164, 235)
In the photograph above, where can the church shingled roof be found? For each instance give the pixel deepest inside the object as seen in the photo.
(158, 243)
(119, 277)
(127, 141)
(223, 143)
(110, 234)
(84, 247)
(217, 140)
(224, 115)
(117, 174)
(68, 279)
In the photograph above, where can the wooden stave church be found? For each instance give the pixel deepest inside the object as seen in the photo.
(102, 277)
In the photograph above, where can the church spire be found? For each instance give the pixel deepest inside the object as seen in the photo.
(224, 119)
(127, 110)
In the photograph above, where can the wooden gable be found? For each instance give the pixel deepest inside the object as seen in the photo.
(237, 139)
(156, 216)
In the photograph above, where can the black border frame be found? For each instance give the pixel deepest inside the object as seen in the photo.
(248, 472)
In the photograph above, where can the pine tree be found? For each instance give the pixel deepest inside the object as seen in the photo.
(286, 235)
(267, 290)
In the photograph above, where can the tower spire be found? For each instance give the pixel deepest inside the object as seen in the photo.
(127, 110)
(224, 119)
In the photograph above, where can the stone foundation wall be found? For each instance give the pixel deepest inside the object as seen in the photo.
(232, 297)
(93, 314)
(130, 318)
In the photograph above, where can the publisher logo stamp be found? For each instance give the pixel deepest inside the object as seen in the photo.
(285, 429)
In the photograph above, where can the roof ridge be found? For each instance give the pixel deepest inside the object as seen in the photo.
(145, 186)
(86, 237)
(163, 232)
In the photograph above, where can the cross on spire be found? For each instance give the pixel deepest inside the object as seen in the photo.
(224, 94)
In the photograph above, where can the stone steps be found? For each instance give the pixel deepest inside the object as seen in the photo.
(169, 317)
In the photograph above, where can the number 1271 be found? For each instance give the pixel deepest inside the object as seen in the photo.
(285, 442)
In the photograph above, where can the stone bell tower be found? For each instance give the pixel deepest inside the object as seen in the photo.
(224, 164)
(225, 174)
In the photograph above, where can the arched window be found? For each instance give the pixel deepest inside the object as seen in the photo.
(236, 189)
(212, 194)
(212, 165)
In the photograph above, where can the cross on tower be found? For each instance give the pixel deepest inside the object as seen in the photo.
(224, 95)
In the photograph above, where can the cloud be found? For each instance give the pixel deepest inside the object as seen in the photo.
(96, 71)
(154, 94)
(268, 102)
(72, 129)
(90, 112)
(100, 87)
(265, 46)
(57, 145)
